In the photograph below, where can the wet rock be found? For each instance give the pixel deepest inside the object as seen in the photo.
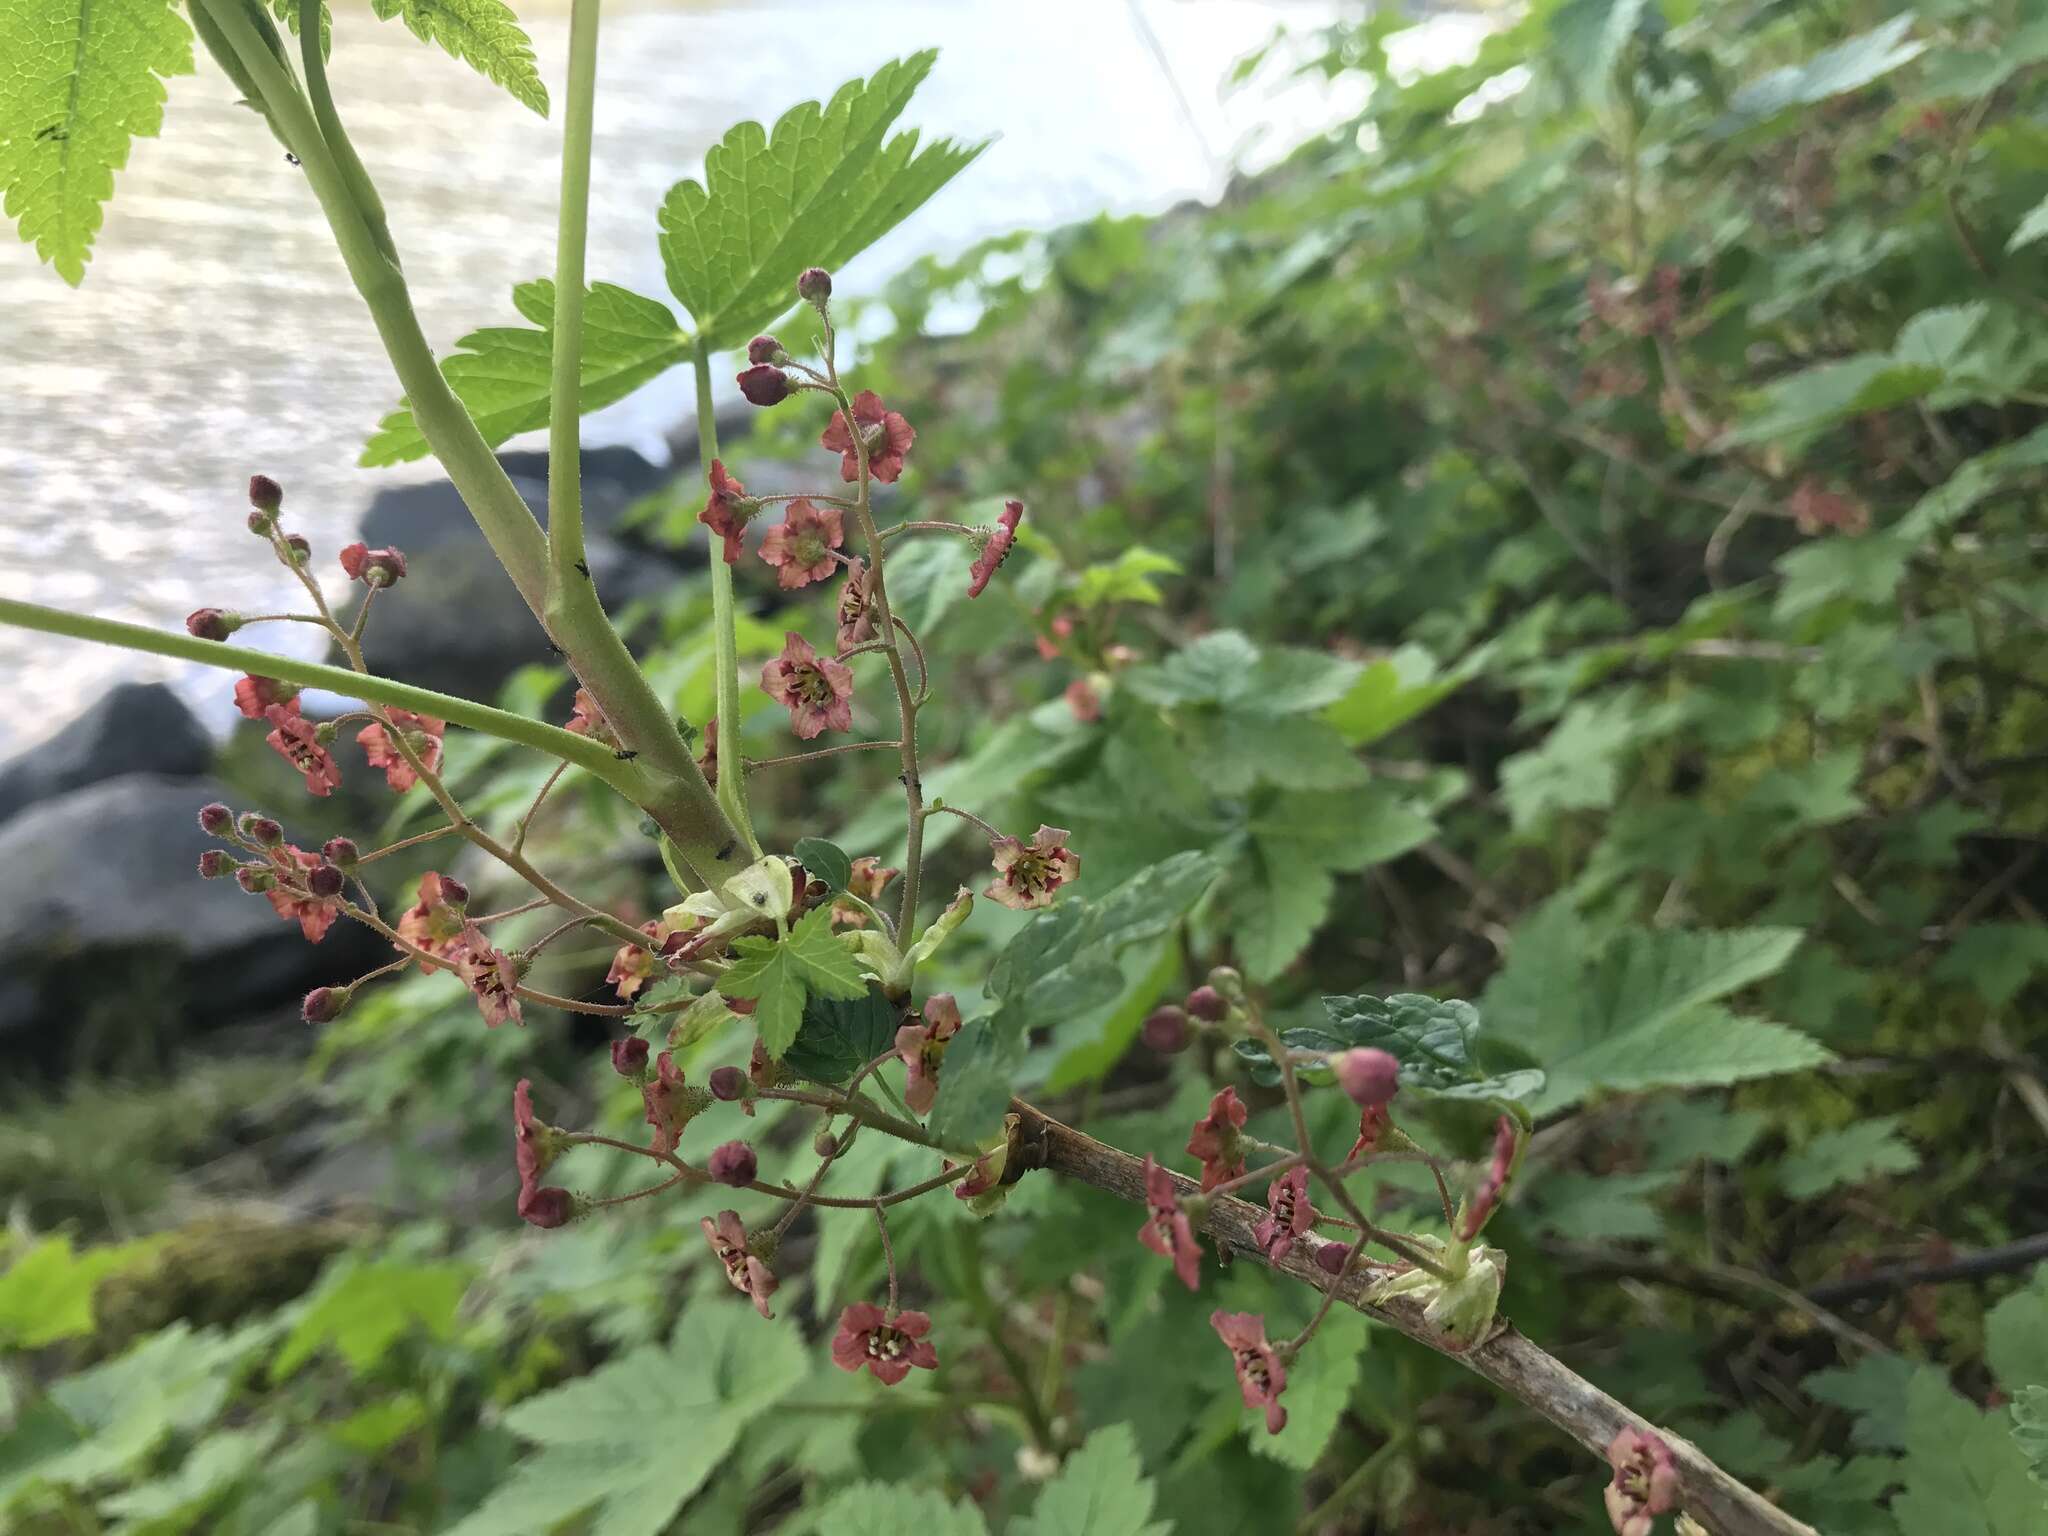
(134, 728)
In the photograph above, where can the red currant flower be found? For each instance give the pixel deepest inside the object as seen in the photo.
(491, 974)
(662, 1095)
(1027, 874)
(314, 914)
(856, 620)
(1372, 1125)
(996, 548)
(800, 546)
(634, 965)
(1290, 1216)
(1260, 1375)
(816, 690)
(1487, 1195)
(1216, 1140)
(422, 732)
(436, 921)
(294, 739)
(867, 882)
(534, 1147)
(987, 1174)
(923, 1047)
(887, 435)
(727, 510)
(1167, 1230)
(254, 696)
(586, 719)
(748, 1275)
(869, 1337)
(1645, 1481)
(372, 567)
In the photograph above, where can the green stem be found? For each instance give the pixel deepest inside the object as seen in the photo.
(671, 789)
(565, 398)
(506, 726)
(313, 63)
(732, 777)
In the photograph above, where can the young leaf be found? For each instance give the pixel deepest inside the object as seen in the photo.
(811, 962)
(1102, 1490)
(721, 1371)
(79, 80)
(502, 372)
(840, 1036)
(46, 1293)
(362, 1310)
(818, 191)
(824, 860)
(1848, 1156)
(886, 1509)
(484, 34)
(1964, 1473)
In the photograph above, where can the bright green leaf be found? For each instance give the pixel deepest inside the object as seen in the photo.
(362, 1309)
(1101, 1490)
(811, 962)
(2030, 1429)
(1319, 1385)
(46, 1294)
(892, 1509)
(2016, 1336)
(2031, 228)
(839, 1036)
(484, 34)
(1388, 694)
(1964, 1473)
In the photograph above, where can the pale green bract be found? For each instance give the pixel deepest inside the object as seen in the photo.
(79, 81)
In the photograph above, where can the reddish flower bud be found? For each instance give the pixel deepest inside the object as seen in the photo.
(340, 852)
(265, 494)
(301, 550)
(550, 1207)
(324, 1004)
(454, 892)
(325, 880)
(211, 623)
(1330, 1257)
(260, 524)
(765, 385)
(728, 1083)
(825, 1144)
(215, 819)
(1165, 1030)
(629, 1056)
(733, 1163)
(255, 879)
(1371, 1076)
(763, 349)
(814, 286)
(214, 864)
(261, 830)
(373, 567)
(1208, 1004)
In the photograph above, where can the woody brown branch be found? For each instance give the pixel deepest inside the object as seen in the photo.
(1527, 1373)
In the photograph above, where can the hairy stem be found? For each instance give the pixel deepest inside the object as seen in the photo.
(732, 779)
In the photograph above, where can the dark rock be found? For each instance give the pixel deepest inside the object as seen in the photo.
(134, 728)
(430, 515)
(113, 947)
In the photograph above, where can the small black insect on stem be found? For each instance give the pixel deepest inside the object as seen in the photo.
(625, 755)
(556, 648)
(52, 133)
(582, 570)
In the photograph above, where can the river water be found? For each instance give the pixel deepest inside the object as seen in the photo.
(216, 333)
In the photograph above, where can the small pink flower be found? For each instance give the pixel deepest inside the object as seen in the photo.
(889, 1347)
(435, 922)
(254, 696)
(662, 1095)
(1167, 1230)
(634, 965)
(733, 1163)
(1027, 874)
(923, 1046)
(491, 974)
(856, 620)
(996, 549)
(533, 1149)
(1645, 1481)
(887, 435)
(816, 690)
(727, 510)
(867, 882)
(983, 1179)
(1816, 509)
(1290, 1215)
(1372, 1125)
(294, 739)
(800, 546)
(423, 734)
(587, 719)
(1369, 1075)
(746, 1273)
(1217, 1141)
(1489, 1191)
(314, 914)
(372, 567)
(1083, 702)
(1260, 1375)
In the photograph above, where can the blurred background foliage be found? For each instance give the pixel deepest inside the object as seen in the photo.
(1569, 539)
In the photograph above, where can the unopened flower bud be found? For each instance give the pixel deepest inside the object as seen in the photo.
(255, 879)
(341, 852)
(764, 349)
(1370, 1075)
(1165, 1030)
(211, 623)
(629, 1056)
(215, 819)
(325, 880)
(728, 1083)
(765, 385)
(301, 549)
(324, 1004)
(825, 1144)
(260, 523)
(1330, 1257)
(454, 892)
(265, 494)
(814, 286)
(733, 1163)
(1228, 982)
(1207, 1003)
(260, 830)
(372, 567)
(214, 864)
